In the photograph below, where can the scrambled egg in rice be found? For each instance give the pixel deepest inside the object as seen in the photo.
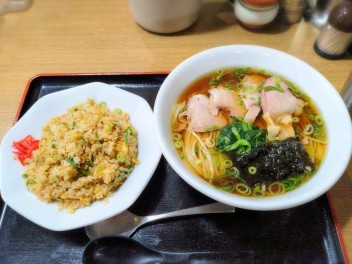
(83, 156)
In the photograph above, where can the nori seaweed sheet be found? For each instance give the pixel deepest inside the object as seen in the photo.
(274, 161)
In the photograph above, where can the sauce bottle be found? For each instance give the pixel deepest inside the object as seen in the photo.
(335, 38)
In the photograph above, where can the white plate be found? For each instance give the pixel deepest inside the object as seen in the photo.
(13, 188)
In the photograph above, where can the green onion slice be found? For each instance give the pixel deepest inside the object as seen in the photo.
(258, 193)
(243, 189)
(252, 170)
(319, 120)
(227, 164)
(295, 119)
(178, 144)
(176, 136)
(117, 111)
(309, 129)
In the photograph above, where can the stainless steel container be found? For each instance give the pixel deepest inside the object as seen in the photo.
(346, 94)
(291, 11)
(317, 11)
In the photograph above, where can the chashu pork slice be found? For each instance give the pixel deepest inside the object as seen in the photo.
(223, 98)
(279, 103)
(203, 116)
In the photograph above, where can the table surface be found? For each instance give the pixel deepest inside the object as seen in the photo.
(101, 36)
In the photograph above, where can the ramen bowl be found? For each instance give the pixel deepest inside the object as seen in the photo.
(326, 99)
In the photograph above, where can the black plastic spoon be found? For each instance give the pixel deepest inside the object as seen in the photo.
(118, 249)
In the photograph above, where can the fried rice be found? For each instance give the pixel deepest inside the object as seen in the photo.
(84, 155)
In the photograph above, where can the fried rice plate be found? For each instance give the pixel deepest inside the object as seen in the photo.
(84, 155)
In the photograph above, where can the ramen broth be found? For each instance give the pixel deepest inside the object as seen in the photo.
(203, 153)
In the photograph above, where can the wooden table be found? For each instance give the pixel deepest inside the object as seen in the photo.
(101, 36)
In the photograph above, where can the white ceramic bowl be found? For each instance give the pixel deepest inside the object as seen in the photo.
(330, 104)
(13, 188)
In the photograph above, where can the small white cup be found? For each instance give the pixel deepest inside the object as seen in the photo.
(165, 16)
(253, 17)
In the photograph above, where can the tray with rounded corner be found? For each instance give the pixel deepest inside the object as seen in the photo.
(307, 233)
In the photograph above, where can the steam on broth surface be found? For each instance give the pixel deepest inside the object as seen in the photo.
(248, 132)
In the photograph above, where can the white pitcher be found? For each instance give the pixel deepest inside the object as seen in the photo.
(8, 6)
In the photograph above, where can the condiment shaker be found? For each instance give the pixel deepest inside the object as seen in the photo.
(335, 38)
(256, 13)
(291, 11)
(317, 11)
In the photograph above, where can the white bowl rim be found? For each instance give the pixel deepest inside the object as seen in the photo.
(264, 204)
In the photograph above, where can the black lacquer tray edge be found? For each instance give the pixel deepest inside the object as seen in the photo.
(32, 79)
(338, 229)
(38, 76)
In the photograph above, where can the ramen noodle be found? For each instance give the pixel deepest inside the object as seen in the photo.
(249, 132)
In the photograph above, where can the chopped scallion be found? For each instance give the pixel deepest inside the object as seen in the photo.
(243, 189)
(121, 158)
(252, 170)
(176, 136)
(84, 172)
(295, 119)
(178, 144)
(72, 162)
(258, 193)
(227, 164)
(118, 111)
(319, 120)
(309, 129)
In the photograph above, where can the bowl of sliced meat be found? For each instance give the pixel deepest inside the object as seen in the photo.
(253, 127)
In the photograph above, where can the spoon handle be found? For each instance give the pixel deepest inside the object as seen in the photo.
(227, 257)
(212, 208)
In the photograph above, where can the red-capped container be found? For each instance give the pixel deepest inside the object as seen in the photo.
(261, 3)
(256, 13)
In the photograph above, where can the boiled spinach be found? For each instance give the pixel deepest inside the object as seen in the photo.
(240, 137)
